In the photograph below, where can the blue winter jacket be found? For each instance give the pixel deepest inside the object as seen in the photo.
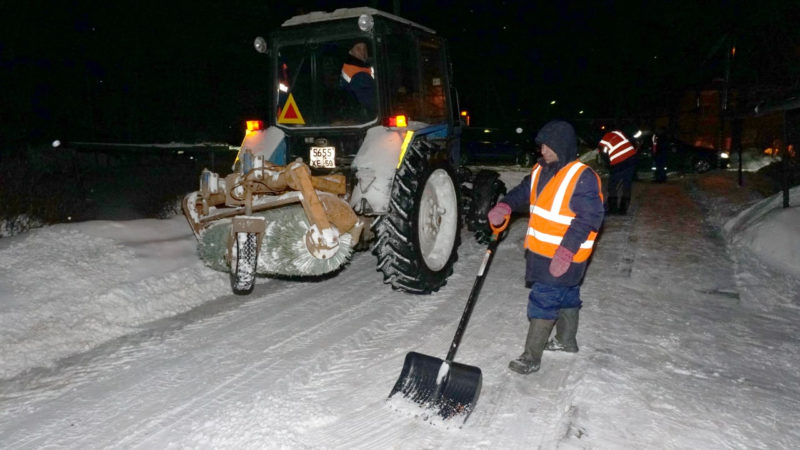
(585, 202)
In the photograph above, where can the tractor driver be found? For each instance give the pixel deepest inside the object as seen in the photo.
(358, 77)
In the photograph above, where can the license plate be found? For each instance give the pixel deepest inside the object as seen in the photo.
(323, 157)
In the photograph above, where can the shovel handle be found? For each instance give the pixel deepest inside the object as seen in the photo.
(497, 230)
(476, 287)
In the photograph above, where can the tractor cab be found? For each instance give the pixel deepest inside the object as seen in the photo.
(337, 74)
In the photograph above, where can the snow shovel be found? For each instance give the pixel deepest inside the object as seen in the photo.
(443, 386)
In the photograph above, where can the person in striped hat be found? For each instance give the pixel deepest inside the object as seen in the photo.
(620, 154)
(565, 204)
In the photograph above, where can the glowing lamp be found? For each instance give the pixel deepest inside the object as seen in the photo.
(255, 125)
(465, 115)
(398, 121)
(260, 45)
(365, 22)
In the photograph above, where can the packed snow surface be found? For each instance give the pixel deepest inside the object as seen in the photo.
(115, 335)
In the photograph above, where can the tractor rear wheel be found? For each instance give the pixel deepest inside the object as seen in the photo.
(487, 188)
(417, 240)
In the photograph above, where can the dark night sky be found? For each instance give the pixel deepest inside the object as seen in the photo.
(178, 70)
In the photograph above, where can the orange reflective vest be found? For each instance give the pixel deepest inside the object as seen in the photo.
(350, 70)
(617, 147)
(551, 215)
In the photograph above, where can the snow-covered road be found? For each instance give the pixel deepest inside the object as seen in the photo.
(679, 349)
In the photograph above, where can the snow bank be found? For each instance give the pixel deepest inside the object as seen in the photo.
(770, 231)
(19, 224)
(67, 288)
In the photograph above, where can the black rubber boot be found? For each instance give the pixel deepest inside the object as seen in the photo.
(566, 330)
(623, 205)
(531, 359)
(612, 205)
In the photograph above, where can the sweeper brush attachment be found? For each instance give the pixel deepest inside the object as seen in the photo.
(268, 219)
(283, 250)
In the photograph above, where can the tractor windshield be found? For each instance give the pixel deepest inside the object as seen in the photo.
(326, 84)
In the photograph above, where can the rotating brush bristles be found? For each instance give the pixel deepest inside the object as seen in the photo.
(283, 250)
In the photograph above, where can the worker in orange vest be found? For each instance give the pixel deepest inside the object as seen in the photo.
(620, 155)
(565, 203)
(358, 78)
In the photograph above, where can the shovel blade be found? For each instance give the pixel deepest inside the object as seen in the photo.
(454, 394)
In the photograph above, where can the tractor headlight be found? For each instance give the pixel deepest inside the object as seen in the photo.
(260, 44)
(366, 22)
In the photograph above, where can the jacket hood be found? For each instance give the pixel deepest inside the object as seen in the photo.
(559, 136)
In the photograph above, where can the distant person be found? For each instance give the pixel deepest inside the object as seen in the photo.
(565, 200)
(358, 78)
(620, 155)
(659, 151)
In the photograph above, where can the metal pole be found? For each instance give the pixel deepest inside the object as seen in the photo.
(724, 100)
(785, 163)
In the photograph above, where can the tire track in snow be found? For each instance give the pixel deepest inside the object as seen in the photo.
(335, 360)
(376, 425)
(290, 340)
(615, 252)
(39, 383)
(278, 366)
(135, 353)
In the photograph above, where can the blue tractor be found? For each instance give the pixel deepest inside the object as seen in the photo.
(359, 149)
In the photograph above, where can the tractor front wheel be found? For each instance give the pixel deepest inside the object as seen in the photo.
(244, 258)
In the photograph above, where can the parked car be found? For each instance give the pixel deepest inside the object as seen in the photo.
(496, 146)
(681, 157)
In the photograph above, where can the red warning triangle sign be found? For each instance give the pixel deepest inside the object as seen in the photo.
(291, 113)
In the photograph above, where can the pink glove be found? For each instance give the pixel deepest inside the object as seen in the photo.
(561, 261)
(497, 215)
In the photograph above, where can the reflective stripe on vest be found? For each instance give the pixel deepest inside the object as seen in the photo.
(551, 215)
(617, 147)
(350, 70)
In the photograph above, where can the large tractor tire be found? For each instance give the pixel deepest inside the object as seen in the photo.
(417, 240)
(244, 259)
(487, 187)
